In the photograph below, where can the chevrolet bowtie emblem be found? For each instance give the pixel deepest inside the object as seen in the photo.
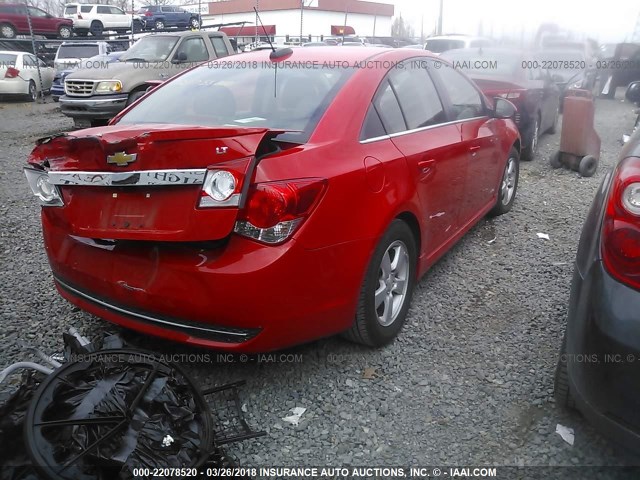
(121, 159)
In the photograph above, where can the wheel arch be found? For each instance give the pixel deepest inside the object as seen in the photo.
(410, 219)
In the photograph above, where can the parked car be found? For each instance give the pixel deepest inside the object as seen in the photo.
(159, 17)
(512, 74)
(98, 18)
(618, 68)
(569, 69)
(442, 43)
(326, 193)
(14, 21)
(97, 61)
(19, 75)
(597, 370)
(93, 96)
(71, 54)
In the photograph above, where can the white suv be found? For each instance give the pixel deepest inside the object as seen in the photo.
(96, 18)
(441, 43)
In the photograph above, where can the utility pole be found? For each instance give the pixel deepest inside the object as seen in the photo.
(256, 24)
(301, 17)
(39, 95)
(440, 18)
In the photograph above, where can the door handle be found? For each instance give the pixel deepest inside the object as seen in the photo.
(427, 168)
(474, 150)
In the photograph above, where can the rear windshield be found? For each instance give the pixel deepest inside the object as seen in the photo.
(287, 98)
(439, 45)
(71, 10)
(7, 60)
(78, 51)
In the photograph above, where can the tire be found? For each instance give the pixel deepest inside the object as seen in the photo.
(555, 160)
(194, 23)
(508, 185)
(158, 25)
(98, 123)
(55, 99)
(561, 390)
(588, 166)
(554, 127)
(531, 149)
(82, 33)
(33, 92)
(133, 96)
(65, 32)
(96, 28)
(7, 31)
(136, 27)
(371, 326)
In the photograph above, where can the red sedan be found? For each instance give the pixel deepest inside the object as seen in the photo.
(249, 205)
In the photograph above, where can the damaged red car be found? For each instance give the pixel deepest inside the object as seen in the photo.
(275, 202)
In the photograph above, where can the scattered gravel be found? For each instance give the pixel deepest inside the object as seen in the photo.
(469, 380)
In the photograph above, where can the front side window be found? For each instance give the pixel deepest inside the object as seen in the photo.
(116, 11)
(151, 49)
(192, 50)
(36, 12)
(104, 10)
(71, 10)
(466, 101)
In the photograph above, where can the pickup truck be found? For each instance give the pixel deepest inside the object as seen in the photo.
(94, 96)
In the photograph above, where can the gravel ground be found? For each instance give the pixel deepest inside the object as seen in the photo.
(470, 379)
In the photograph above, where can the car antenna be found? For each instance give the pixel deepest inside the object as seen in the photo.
(275, 55)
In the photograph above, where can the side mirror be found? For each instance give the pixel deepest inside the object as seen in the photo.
(633, 92)
(503, 108)
(180, 57)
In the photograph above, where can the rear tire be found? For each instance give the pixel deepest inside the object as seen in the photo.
(529, 153)
(508, 186)
(561, 390)
(588, 166)
(389, 283)
(33, 92)
(7, 31)
(194, 23)
(96, 28)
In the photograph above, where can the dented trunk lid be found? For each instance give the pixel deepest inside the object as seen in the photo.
(144, 182)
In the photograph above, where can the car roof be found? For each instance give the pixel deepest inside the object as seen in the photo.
(488, 51)
(184, 33)
(13, 52)
(341, 54)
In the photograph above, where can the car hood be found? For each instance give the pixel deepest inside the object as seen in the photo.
(116, 70)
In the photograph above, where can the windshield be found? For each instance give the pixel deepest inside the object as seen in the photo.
(487, 63)
(439, 45)
(151, 49)
(78, 51)
(286, 98)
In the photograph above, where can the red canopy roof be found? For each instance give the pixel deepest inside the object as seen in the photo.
(249, 31)
(342, 30)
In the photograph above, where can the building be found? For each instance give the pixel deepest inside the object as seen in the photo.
(285, 19)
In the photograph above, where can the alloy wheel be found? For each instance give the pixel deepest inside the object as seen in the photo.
(393, 281)
(509, 181)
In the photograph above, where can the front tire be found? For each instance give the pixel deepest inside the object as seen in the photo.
(159, 25)
(388, 285)
(65, 32)
(508, 186)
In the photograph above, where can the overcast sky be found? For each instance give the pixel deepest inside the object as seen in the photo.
(614, 21)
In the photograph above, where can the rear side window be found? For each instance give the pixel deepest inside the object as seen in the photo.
(418, 97)
(219, 46)
(387, 106)
(167, 9)
(465, 99)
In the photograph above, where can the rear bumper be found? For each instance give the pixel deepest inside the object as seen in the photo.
(102, 108)
(13, 86)
(603, 353)
(236, 295)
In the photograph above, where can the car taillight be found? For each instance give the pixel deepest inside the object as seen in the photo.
(79, 17)
(274, 210)
(12, 72)
(511, 95)
(621, 229)
(223, 183)
(148, 14)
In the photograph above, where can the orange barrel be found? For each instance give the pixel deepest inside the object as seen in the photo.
(578, 136)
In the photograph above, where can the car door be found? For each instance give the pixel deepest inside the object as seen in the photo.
(40, 21)
(479, 139)
(120, 18)
(47, 74)
(169, 16)
(414, 117)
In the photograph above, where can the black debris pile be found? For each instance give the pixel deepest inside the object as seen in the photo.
(109, 412)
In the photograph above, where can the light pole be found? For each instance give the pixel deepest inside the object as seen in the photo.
(440, 18)
(40, 94)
